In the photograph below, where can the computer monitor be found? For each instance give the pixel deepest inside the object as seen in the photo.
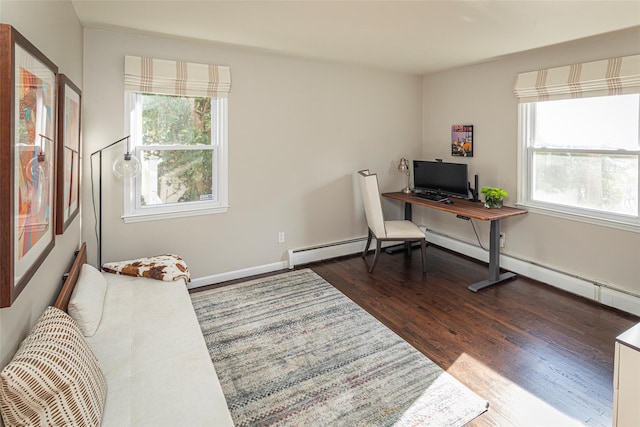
(449, 179)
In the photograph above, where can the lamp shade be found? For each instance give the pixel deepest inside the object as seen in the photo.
(126, 166)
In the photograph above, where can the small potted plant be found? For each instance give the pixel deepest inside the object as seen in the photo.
(493, 197)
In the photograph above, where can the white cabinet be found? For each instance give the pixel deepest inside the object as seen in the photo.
(626, 379)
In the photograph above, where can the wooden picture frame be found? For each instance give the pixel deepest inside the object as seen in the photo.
(68, 182)
(27, 161)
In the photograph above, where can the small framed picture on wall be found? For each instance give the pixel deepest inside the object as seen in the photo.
(68, 181)
(462, 140)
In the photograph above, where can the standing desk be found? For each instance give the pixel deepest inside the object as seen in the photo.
(469, 209)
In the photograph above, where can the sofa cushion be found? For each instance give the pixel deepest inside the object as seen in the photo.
(87, 300)
(54, 377)
(152, 352)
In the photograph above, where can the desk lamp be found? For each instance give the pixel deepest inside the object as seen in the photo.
(404, 167)
(124, 167)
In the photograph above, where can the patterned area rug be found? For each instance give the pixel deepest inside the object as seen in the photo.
(292, 350)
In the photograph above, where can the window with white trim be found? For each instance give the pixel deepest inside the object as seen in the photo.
(579, 150)
(177, 118)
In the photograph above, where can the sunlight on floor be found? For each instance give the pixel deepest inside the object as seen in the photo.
(445, 401)
(531, 410)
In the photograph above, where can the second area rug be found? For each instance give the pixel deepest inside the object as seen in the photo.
(292, 350)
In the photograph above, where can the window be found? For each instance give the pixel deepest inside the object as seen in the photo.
(580, 156)
(181, 157)
(178, 132)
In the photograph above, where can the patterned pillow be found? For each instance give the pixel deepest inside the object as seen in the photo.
(54, 377)
(167, 267)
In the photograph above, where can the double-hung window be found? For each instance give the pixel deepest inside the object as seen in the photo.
(177, 118)
(579, 150)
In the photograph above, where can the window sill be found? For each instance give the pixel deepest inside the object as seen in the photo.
(630, 225)
(184, 213)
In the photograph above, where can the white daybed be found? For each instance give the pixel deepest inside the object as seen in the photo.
(151, 351)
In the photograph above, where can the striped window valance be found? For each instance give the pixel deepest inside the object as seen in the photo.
(615, 76)
(160, 76)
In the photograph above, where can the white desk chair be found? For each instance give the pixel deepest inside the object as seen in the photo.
(398, 230)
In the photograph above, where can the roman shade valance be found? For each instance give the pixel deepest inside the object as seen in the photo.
(614, 76)
(160, 76)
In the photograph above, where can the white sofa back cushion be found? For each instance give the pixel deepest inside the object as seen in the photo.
(87, 300)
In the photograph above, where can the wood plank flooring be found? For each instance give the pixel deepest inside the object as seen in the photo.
(540, 356)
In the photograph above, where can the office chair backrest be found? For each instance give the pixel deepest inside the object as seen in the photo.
(372, 203)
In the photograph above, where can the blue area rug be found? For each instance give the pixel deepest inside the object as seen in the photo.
(292, 350)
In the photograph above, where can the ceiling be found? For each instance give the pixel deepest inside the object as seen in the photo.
(417, 37)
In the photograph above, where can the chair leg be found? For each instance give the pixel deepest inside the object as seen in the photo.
(366, 248)
(423, 249)
(377, 255)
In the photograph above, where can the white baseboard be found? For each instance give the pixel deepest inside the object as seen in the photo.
(576, 285)
(237, 274)
(296, 257)
(620, 300)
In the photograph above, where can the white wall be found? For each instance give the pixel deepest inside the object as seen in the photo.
(482, 95)
(53, 27)
(298, 132)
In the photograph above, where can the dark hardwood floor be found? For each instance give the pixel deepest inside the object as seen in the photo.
(539, 355)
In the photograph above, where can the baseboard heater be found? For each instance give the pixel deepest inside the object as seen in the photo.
(326, 251)
(331, 250)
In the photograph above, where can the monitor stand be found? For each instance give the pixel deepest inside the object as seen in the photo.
(474, 190)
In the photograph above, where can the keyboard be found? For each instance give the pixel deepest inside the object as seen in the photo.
(431, 196)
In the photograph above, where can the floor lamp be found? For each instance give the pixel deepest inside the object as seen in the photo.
(124, 167)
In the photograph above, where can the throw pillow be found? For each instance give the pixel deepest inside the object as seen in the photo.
(87, 300)
(167, 267)
(54, 377)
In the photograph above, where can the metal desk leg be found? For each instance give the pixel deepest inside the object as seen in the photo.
(494, 260)
(408, 215)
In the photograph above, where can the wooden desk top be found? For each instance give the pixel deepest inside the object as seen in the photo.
(462, 207)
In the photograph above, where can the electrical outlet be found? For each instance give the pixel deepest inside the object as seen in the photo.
(281, 237)
(502, 239)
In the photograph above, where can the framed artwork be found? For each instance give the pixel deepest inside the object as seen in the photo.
(27, 161)
(462, 140)
(68, 182)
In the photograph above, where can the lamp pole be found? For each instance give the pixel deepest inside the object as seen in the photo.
(99, 223)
